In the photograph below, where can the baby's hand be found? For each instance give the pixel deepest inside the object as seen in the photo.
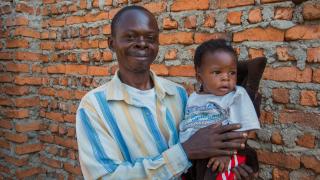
(219, 163)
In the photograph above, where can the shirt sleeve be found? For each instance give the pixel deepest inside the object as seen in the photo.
(101, 157)
(243, 112)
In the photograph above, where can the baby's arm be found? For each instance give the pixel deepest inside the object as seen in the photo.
(219, 163)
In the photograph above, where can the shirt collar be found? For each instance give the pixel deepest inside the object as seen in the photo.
(117, 89)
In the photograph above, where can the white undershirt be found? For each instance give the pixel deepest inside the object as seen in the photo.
(146, 97)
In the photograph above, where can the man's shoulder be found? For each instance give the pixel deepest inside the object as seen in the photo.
(90, 94)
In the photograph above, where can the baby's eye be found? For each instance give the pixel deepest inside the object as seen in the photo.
(232, 73)
(216, 72)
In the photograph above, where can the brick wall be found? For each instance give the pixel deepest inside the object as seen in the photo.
(52, 52)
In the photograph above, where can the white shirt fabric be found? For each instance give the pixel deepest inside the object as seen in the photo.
(205, 109)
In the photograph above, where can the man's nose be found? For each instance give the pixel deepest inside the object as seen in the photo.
(141, 42)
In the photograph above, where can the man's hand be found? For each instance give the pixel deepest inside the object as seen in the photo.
(213, 141)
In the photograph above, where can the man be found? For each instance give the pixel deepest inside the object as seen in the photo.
(127, 128)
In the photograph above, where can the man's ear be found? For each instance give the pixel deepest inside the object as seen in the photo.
(110, 43)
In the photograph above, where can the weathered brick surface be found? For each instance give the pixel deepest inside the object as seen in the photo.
(53, 52)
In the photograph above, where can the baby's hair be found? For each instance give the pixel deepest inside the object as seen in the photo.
(116, 18)
(212, 46)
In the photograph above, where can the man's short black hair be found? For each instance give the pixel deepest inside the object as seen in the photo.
(117, 17)
(212, 46)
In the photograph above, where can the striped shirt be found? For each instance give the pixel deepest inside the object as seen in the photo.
(119, 138)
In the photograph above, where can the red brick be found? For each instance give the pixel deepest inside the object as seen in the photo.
(300, 118)
(6, 124)
(311, 11)
(12, 67)
(279, 159)
(201, 37)
(19, 138)
(98, 71)
(27, 102)
(255, 16)
(57, 69)
(176, 38)
(209, 20)
(74, 20)
(6, 55)
(76, 69)
(316, 76)
(190, 22)
(169, 23)
(254, 53)
(233, 3)
(70, 118)
(17, 21)
(311, 162)
(5, 78)
(160, 69)
(171, 54)
(276, 138)
(303, 32)
(27, 32)
(184, 70)
(106, 29)
(47, 45)
(66, 142)
(24, 8)
(308, 98)
(54, 116)
(28, 80)
(259, 34)
(234, 17)
(84, 57)
(184, 5)
(4, 144)
(103, 44)
(6, 102)
(17, 90)
(47, 91)
(155, 7)
(65, 94)
(107, 56)
(51, 162)
(46, 138)
(283, 55)
(15, 161)
(71, 132)
(56, 22)
(288, 74)
(313, 55)
(96, 56)
(306, 140)
(280, 95)
(29, 172)
(278, 174)
(283, 13)
(48, 35)
(17, 43)
(28, 126)
(79, 95)
(72, 169)
(66, 45)
(96, 17)
(19, 114)
(88, 44)
(28, 148)
(23, 56)
(271, 1)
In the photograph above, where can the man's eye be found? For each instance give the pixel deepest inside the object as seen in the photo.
(130, 37)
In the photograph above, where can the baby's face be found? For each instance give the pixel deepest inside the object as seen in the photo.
(218, 73)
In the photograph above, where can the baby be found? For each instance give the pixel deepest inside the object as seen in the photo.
(218, 100)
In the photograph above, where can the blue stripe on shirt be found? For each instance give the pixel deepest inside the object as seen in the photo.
(96, 146)
(109, 118)
(183, 97)
(158, 138)
(172, 127)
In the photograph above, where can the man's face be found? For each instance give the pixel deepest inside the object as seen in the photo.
(135, 41)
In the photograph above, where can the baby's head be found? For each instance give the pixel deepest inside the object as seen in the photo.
(216, 67)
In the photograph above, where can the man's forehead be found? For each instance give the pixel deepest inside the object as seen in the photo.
(136, 15)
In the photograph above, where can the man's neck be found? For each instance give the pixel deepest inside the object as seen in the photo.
(140, 81)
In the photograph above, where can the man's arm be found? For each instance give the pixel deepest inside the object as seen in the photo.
(101, 157)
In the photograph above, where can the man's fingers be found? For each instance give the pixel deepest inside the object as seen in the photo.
(243, 173)
(215, 165)
(226, 128)
(210, 162)
(227, 136)
(230, 145)
(236, 172)
(223, 153)
(247, 168)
